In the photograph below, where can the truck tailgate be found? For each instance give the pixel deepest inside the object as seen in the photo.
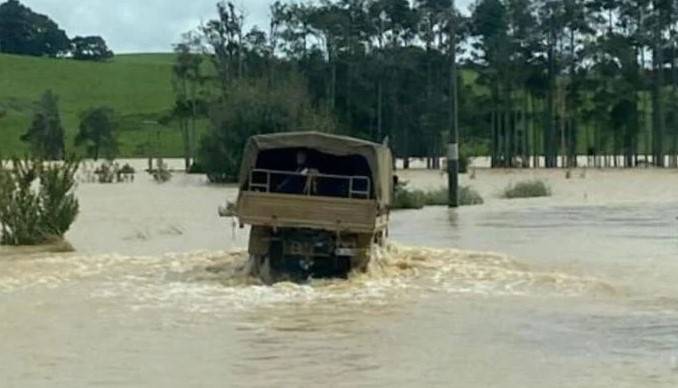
(301, 211)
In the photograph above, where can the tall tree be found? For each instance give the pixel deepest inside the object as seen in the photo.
(490, 25)
(97, 132)
(25, 32)
(224, 36)
(658, 22)
(90, 48)
(45, 135)
(187, 81)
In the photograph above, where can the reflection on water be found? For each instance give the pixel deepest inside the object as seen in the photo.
(158, 294)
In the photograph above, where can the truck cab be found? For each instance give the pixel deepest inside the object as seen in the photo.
(316, 203)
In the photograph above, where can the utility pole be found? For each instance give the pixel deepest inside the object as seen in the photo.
(453, 142)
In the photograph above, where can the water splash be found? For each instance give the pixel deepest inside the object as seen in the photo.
(457, 271)
(215, 282)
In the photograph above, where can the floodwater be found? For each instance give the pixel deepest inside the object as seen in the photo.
(580, 292)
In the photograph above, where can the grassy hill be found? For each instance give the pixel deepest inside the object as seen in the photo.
(138, 87)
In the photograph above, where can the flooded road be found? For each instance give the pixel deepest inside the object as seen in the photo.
(581, 292)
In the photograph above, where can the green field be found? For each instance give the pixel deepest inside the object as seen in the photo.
(138, 87)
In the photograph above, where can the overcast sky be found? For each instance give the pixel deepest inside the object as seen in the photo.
(143, 25)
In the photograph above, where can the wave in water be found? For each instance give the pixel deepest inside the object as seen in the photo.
(217, 281)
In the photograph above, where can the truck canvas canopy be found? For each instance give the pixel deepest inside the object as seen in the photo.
(332, 154)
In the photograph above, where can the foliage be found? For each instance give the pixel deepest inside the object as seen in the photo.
(110, 172)
(406, 198)
(539, 78)
(188, 83)
(527, 189)
(161, 173)
(252, 107)
(543, 78)
(106, 173)
(196, 168)
(37, 203)
(25, 32)
(46, 133)
(58, 205)
(98, 132)
(90, 48)
(467, 197)
(127, 169)
(468, 151)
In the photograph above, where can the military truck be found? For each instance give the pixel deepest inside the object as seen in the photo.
(316, 203)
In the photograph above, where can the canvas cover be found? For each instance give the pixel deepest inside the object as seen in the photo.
(378, 156)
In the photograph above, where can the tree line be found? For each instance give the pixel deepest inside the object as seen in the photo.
(578, 76)
(25, 32)
(540, 82)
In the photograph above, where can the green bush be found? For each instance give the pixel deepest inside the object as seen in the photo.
(255, 108)
(467, 197)
(127, 169)
(106, 173)
(110, 172)
(527, 189)
(58, 204)
(37, 203)
(405, 198)
(417, 199)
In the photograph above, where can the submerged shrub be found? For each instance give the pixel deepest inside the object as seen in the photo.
(37, 203)
(162, 173)
(127, 169)
(470, 197)
(417, 199)
(467, 197)
(405, 198)
(111, 172)
(527, 189)
(106, 173)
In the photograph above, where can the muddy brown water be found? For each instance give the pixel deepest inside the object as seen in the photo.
(581, 290)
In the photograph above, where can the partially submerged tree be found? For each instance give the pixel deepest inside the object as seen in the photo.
(45, 135)
(98, 132)
(187, 81)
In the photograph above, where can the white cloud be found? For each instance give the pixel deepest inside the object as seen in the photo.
(142, 25)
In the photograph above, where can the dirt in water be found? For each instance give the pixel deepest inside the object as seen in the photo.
(158, 294)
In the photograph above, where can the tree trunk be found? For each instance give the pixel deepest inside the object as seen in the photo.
(657, 98)
(549, 134)
(494, 145)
